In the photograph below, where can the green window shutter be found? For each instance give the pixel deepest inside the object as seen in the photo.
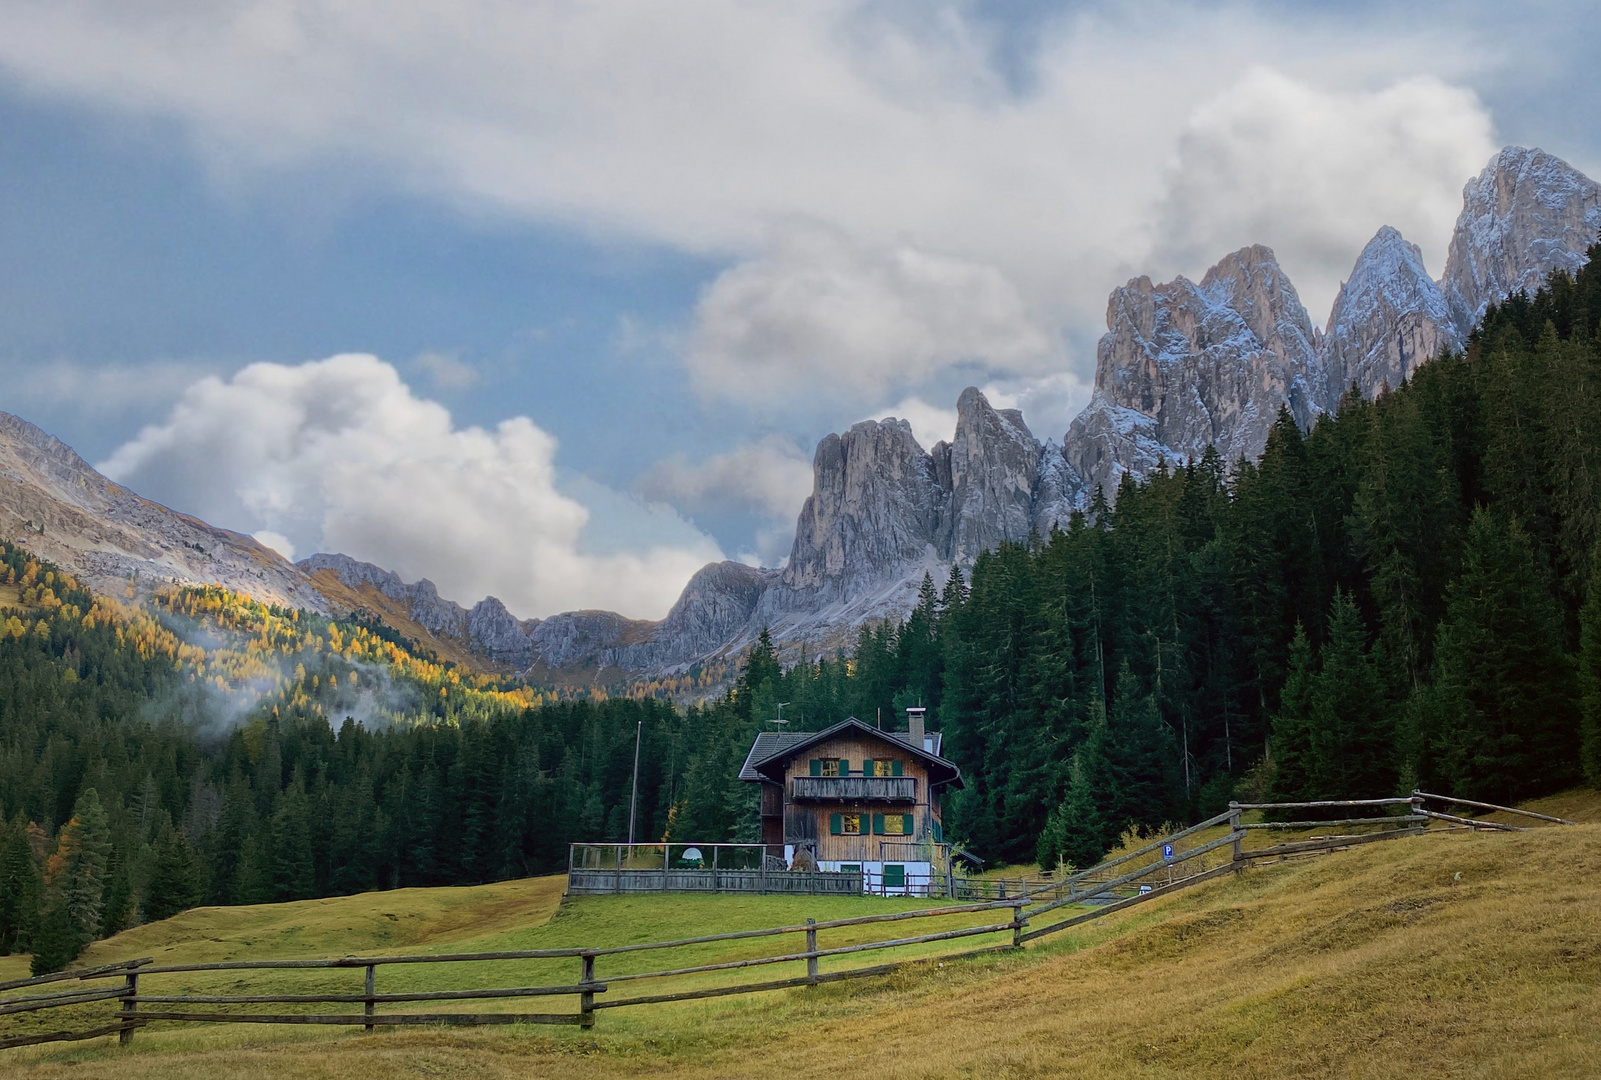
(836, 824)
(878, 824)
(817, 766)
(906, 824)
(894, 876)
(868, 766)
(844, 766)
(939, 833)
(895, 767)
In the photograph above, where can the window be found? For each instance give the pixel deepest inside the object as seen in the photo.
(831, 766)
(893, 825)
(850, 868)
(851, 824)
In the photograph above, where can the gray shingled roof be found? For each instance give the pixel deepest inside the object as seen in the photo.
(776, 744)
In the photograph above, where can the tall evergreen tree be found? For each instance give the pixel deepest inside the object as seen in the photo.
(1509, 692)
(1350, 736)
(1590, 675)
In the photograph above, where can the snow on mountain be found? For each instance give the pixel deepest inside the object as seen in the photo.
(1183, 366)
(1388, 318)
(1528, 213)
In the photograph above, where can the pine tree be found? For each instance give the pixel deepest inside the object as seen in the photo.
(1141, 753)
(1590, 674)
(1078, 832)
(1510, 693)
(294, 873)
(176, 881)
(1292, 736)
(82, 851)
(1349, 734)
(59, 939)
(20, 889)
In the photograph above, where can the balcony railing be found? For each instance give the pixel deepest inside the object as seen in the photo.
(853, 789)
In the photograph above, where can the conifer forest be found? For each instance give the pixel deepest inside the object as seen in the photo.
(1408, 595)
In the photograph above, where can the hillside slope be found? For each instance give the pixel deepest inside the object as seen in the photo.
(1455, 955)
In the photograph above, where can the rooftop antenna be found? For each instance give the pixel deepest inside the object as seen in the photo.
(779, 719)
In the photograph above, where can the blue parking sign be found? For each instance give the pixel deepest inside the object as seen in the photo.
(1167, 852)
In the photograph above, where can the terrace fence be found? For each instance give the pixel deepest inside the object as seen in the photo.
(1159, 868)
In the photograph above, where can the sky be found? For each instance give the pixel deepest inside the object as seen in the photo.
(552, 300)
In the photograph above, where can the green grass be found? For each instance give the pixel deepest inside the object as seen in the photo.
(1458, 955)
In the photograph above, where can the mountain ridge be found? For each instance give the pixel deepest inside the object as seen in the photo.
(1183, 366)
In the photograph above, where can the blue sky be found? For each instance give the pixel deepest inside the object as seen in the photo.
(681, 244)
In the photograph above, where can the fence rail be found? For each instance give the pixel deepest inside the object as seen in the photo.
(1109, 887)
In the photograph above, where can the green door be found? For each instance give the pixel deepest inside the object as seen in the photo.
(894, 876)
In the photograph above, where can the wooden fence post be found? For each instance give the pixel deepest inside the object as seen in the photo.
(1239, 834)
(1419, 812)
(129, 1008)
(371, 981)
(811, 949)
(1018, 922)
(586, 997)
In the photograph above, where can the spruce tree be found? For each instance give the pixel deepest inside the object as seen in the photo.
(294, 873)
(59, 939)
(1590, 674)
(176, 880)
(1350, 735)
(1079, 831)
(1512, 717)
(1142, 757)
(1292, 735)
(20, 888)
(82, 852)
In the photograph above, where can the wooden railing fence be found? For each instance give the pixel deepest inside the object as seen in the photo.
(1110, 886)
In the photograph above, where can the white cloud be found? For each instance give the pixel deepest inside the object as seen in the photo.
(1314, 173)
(339, 455)
(447, 370)
(277, 541)
(1048, 404)
(770, 475)
(968, 218)
(930, 423)
(821, 316)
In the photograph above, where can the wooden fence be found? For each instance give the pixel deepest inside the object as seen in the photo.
(1171, 863)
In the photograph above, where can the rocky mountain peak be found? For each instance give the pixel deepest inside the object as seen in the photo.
(1526, 214)
(875, 504)
(1389, 317)
(1184, 366)
(1251, 283)
(989, 471)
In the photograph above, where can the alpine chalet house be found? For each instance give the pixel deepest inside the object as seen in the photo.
(858, 799)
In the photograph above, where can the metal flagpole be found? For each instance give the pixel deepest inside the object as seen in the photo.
(633, 797)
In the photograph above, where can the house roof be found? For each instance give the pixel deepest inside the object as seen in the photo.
(773, 748)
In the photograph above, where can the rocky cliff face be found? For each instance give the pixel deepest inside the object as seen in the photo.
(1184, 366)
(876, 502)
(56, 505)
(1389, 318)
(989, 472)
(1526, 214)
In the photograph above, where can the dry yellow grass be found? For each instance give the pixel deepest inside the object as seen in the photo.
(1455, 955)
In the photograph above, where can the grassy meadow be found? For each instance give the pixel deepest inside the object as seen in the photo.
(1461, 955)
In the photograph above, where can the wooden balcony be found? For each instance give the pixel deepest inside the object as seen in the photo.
(888, 789)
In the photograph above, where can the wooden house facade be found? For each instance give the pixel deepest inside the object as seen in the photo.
(857, 798)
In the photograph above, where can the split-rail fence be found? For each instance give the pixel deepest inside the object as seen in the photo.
(1153, 870)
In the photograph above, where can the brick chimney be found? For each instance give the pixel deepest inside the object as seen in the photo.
(914, 726)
